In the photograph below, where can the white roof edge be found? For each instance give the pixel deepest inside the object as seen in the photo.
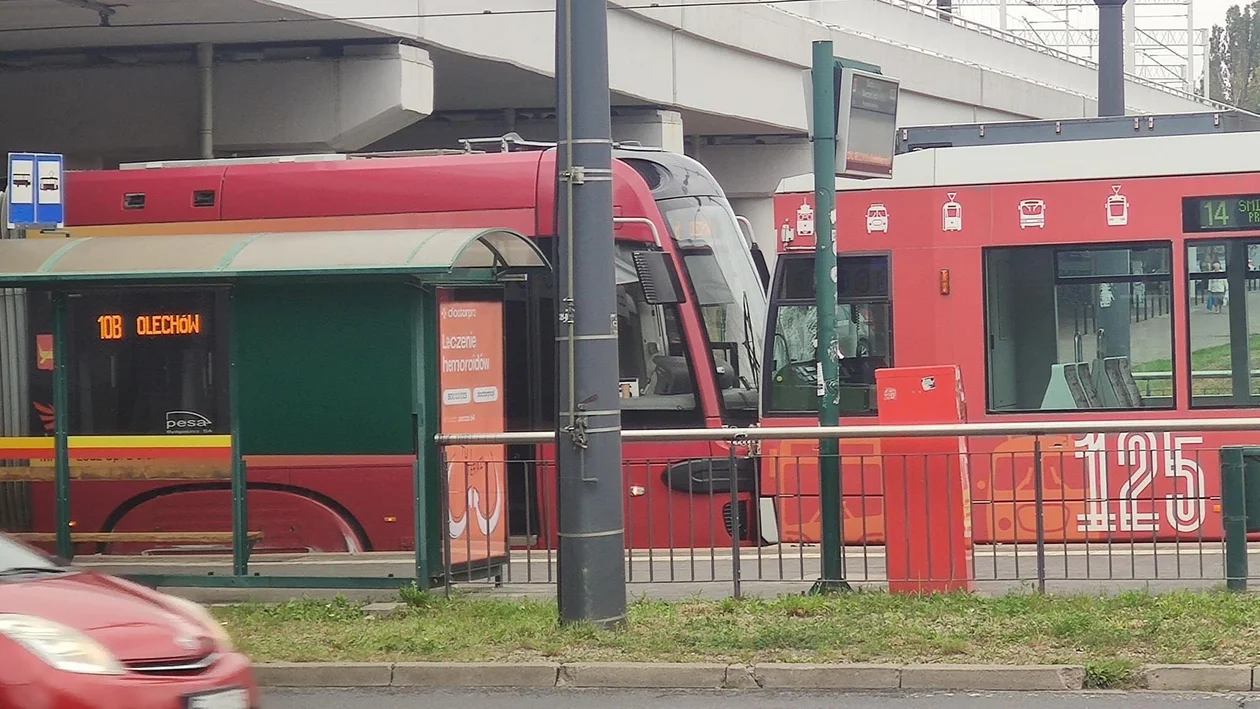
(1148, 156)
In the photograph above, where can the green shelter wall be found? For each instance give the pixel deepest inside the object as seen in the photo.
(325, 369)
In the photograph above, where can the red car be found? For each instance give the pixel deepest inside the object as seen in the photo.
(74, 639)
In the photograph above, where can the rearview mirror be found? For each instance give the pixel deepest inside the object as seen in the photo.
(659, 278)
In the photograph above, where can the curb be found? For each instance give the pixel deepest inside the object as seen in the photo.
(784, 676)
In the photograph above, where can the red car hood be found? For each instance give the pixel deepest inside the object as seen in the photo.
(126, 619)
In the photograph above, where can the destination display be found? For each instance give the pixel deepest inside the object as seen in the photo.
(1221, 213)
(114, 326)
(857, 278)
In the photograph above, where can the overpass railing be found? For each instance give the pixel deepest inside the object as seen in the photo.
(930, 11)
(1052, 506)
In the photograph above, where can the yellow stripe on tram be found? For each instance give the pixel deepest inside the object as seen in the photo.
(194, 441)
(26, 443)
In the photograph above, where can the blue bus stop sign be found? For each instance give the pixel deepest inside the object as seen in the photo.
(36, 191)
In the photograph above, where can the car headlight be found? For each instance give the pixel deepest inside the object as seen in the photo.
(198, 613)
(61, 647)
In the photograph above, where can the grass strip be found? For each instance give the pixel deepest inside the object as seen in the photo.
(1110, 635)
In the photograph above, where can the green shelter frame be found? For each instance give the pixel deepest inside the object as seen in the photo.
(419, 260)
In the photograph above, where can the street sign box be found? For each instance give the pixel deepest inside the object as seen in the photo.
(866, 124)
(36, 191)
(866, 118)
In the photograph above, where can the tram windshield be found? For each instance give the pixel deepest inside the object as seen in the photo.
(731, 299)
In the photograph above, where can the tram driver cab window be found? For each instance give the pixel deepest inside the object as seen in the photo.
(657, 381)
(1079, 327)
(141, 361)
(863, 331)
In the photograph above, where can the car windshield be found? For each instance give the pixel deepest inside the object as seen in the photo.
(16, 556)
(724, 276)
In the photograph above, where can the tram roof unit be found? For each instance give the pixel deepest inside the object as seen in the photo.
(1111, 158)
(507, 143)
(912, 138)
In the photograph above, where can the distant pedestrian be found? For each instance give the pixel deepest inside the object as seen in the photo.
(1216, 290)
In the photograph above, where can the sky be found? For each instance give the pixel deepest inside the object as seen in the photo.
(1211, 12)
(1039, 19)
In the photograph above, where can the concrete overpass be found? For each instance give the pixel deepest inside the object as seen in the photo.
(106, 82)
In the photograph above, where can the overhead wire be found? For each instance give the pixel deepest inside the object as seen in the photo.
(378, 17)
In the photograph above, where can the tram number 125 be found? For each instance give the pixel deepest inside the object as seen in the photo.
(1135, 508)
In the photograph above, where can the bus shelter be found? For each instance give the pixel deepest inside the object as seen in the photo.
(312, 345)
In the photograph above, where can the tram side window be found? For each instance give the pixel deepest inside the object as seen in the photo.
(1223, 310)
(147, 362)
(1079, 327)
(864, 329)
(658, 386)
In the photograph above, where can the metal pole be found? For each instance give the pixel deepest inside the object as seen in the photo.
(1191, 84)
(430, 462)
(825, 293)
(1039, 481)
(240, 476)
(1234, 518)
(1110, 57)
(61, 425)
(592, 575)
(1130, 35)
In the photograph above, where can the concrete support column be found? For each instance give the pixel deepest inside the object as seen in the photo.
(651, 127)
(205, 70)
(248, 103)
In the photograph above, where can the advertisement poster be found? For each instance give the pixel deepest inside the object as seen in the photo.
(471, 351)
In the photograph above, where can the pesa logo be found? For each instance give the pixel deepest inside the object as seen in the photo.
(186, 422)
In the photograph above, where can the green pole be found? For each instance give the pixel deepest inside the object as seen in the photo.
(430, 527)
(61, 426)
(1234, 518)
(240, 486)
(824, 90)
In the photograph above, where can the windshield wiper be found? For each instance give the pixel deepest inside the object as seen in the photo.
(754, 362)
(24, 570)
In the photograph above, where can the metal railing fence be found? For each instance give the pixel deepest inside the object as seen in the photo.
(1080, 505)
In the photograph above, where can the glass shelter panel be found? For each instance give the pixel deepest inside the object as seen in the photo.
(147, 361)
(863, 329)
(21, 355)
(1079, 328)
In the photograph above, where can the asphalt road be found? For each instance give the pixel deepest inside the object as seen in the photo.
(637, 699)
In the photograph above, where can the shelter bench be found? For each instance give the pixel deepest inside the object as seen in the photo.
(252, 538)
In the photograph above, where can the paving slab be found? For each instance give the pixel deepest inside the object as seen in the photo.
(475, 674)
(1049, 678)
(324, 674)
(670, 675)
(1198, 678)
(784, 675)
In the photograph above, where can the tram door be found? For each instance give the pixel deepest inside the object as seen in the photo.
(1000, 327)
(527, 369)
